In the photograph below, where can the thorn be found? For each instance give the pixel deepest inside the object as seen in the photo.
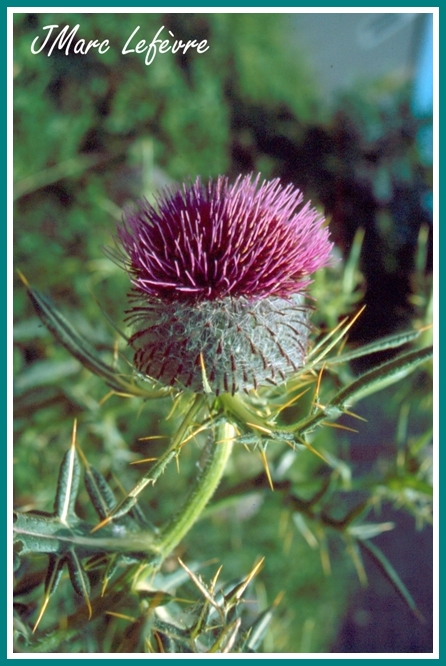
(319, 379)
(192, 435)
(90, 610)
(73, 436)
(330, 335)
(104, 586)
(174, 406)
(358, 314)
(26, 283)
(355, 416)
(214, 580)
(341, 348)
(261, 428)
(82, 456)
(327, 337)
(144, 460)
(267, 472)
(249, 577)
(105, 398)
(338, 425)
(313, 450)
(278, 599)
(203, 589)
(102, 524)
(290, 402)
(206, 385)
(121, 616)
(159, 641)
(42, 611)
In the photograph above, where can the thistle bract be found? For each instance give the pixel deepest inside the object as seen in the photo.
(219, 273)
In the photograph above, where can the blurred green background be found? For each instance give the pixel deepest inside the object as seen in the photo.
(92, 133)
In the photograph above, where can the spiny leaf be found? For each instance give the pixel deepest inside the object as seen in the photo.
(104, 500)
(179, 640)
(380, 377)
(79, 578)
(46, 534)
(207, 594)
(52, 579)
(110, 569)
(53, 573)
(227, 637)
(36, 533)
(258, 630)
(389, 572)
(389, 342)
(70, 339)
(99, 491)
(233, 596)
(62, 330)
(67, 486)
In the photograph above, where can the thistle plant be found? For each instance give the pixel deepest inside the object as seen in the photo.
(221, 329)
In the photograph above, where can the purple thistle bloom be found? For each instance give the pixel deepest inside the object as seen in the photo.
(218, 274)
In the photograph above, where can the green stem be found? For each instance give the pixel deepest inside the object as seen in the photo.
(205, 486)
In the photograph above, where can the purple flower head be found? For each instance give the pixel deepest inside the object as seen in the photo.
(218, 274)
(209, 242)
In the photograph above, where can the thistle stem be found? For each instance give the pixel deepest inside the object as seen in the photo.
(205, 486)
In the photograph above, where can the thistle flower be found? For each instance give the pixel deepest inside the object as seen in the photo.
(219, 273)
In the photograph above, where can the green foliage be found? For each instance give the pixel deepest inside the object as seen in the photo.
(280, 424)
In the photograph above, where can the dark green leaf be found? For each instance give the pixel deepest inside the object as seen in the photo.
(83, 351)
(389, 342)
(53, 574)
(67, 486)
(79, 578)
(36, 533)
(380, 377)
(99, 491)
(71, 340)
